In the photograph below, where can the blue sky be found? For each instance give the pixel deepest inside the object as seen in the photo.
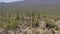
(9, 0)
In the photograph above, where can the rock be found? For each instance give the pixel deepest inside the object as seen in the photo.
(10, 32)
(18, 31)
(56, 32)
(42, 24)
(28, 31)
(51, 31)
(58, 24)
(5, 32)
(25, 32)
(1, 30)
(39, 31)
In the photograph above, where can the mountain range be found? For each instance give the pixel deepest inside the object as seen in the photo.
(31, 3)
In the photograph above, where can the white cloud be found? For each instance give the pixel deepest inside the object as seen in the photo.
(9, 0)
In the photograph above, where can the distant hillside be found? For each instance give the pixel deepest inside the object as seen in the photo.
(31, 3)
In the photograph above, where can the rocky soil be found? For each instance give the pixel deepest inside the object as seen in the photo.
(43, 28)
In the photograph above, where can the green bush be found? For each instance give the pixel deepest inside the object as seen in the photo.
(50, 23)
(46, 32)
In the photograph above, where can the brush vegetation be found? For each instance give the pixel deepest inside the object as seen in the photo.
(14, 17)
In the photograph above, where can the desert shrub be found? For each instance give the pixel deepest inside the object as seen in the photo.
(50, 23)
(46, 32)
(5, 25)
(12, 24)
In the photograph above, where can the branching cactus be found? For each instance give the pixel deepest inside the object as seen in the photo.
(39, 16)
(36, 24)
(9, 19)
(17, 18)
(32, 18)
(22, 18)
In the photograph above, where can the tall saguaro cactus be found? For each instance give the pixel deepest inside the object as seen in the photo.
(32, 19)
(9, 20)
(17, 18)
(22, 18)
(38, 15)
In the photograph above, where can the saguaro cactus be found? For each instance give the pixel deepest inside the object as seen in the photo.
(22, 18)
(17, 18)
(9, 20)
(32, 19)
